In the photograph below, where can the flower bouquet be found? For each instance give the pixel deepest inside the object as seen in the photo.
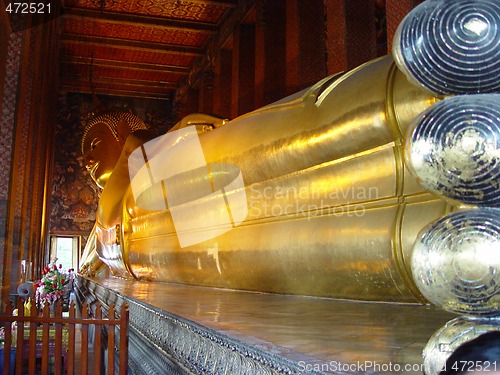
(52, 285)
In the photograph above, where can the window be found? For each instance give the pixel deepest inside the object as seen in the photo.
(66, 249)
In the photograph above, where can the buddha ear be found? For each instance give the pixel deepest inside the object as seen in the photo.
(123, 130)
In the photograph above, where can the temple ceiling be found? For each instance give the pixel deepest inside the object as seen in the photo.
(137, 48)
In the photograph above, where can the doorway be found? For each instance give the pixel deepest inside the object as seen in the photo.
(66, 249)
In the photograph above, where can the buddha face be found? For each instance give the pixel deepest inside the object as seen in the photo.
(102, 151)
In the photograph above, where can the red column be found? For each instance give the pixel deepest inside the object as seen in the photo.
(192, 103)
(222, 92)
(351, 33)
(243, 70)
(336, 36)
(207, 93)
(225, 84)
(270, 52)
(396, 10)
(312, 42)
(305, 43)
(292, 47)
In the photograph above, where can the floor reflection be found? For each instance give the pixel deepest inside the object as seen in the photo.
(335, 335)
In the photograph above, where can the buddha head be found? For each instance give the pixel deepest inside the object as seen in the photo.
(103, 141)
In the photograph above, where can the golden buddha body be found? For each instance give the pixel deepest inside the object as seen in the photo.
(375, 185)
(331, 210)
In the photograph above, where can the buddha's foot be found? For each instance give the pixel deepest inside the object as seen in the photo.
(451, 47)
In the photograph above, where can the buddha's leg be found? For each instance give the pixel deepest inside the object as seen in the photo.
(331, 210)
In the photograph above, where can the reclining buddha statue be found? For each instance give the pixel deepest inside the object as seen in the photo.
(311, 195)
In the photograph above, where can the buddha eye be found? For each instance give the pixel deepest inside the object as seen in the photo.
(94, 143)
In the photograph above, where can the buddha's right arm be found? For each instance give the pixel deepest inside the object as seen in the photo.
(199, 119)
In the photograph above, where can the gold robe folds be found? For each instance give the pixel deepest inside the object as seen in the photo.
(331, 209)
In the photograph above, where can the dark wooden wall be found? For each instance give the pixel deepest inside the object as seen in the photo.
(28, 72)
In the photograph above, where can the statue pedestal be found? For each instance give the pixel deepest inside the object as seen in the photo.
(182, 329)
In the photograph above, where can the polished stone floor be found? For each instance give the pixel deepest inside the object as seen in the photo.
(320, 334)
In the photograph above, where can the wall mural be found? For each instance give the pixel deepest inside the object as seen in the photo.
(74, 194)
